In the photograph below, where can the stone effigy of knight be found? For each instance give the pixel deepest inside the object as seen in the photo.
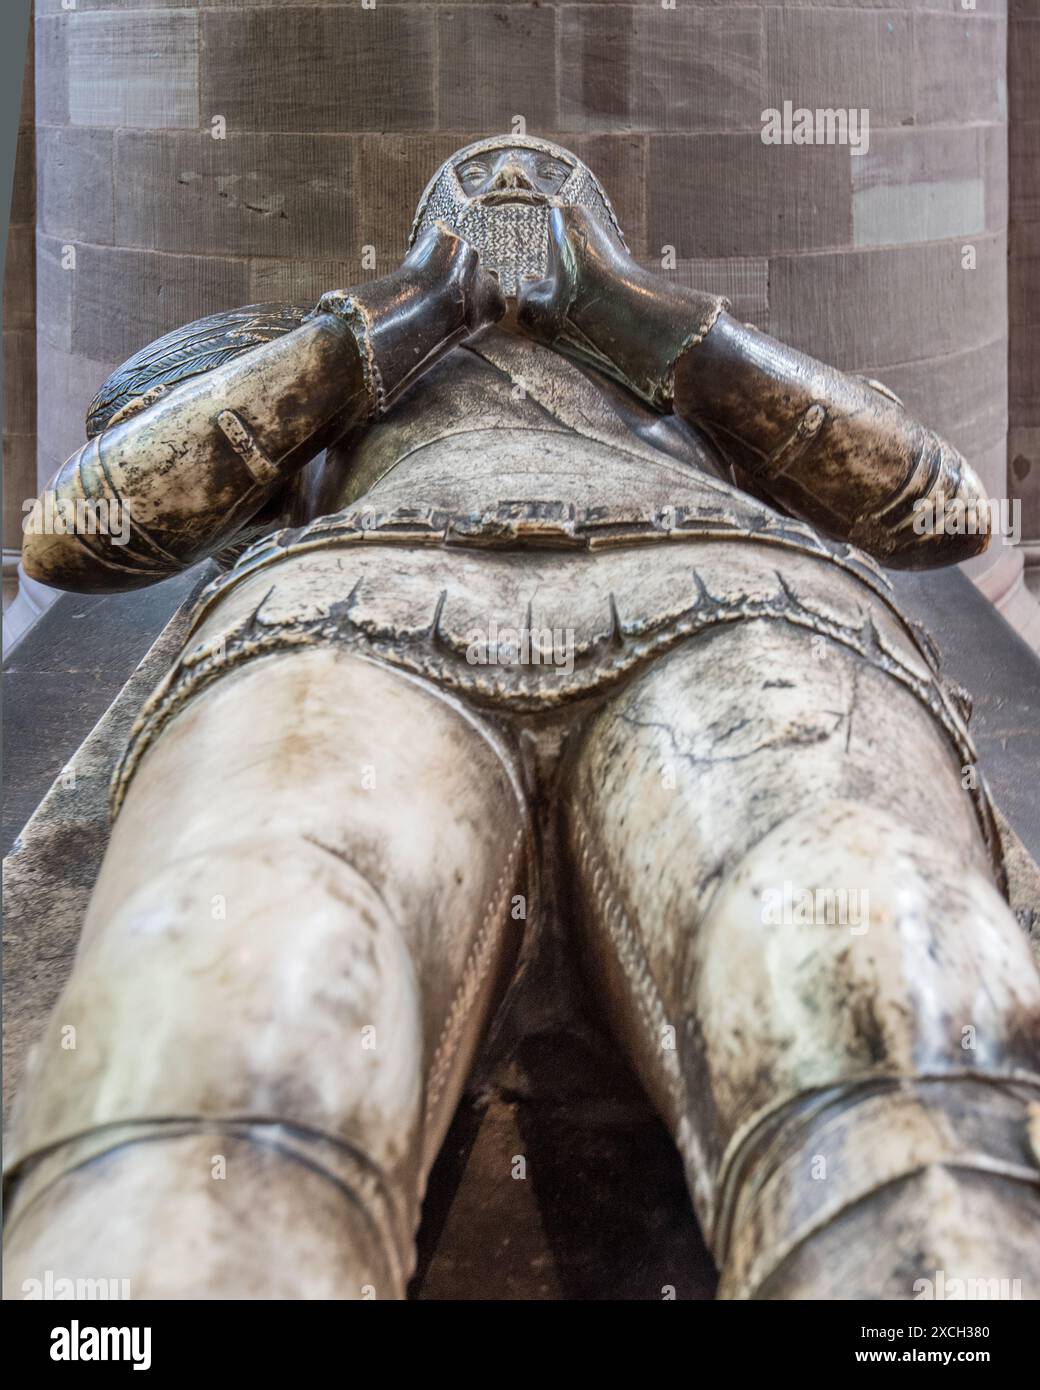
(545, 579)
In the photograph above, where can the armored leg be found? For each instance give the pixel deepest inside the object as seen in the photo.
(299, 930)
(792, 915)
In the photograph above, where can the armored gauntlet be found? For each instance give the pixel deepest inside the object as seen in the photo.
(185, 469)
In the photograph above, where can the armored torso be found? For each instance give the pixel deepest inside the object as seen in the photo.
(504, 420)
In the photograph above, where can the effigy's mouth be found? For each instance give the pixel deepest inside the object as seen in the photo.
(529, 196)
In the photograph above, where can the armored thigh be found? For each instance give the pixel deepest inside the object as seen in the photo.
(301, 924)
(791, 899)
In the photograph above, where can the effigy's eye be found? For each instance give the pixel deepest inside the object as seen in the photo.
(473, 172)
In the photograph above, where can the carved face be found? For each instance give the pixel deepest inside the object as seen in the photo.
(497, 194)
(512, 172)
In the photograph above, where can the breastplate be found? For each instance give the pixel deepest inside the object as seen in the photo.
(503, 419)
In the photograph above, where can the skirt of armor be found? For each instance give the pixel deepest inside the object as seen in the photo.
(538, 611)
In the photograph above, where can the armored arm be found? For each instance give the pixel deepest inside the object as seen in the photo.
(837, 450)
(179, 472)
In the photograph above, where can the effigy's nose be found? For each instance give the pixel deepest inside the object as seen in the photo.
(511, 176)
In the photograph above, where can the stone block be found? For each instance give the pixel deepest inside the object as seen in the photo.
(929, 184)
(852, 58)
(133, 67)
(264, 195)
(54, 291)
(52, 69)
(66, 386)
(293, 281)
(955, 61)
(336, 68)
(121, 299)
(391, 173)
(730, 195)
(77, 186)
(891, 305)
(496, 62)
(648, 68)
